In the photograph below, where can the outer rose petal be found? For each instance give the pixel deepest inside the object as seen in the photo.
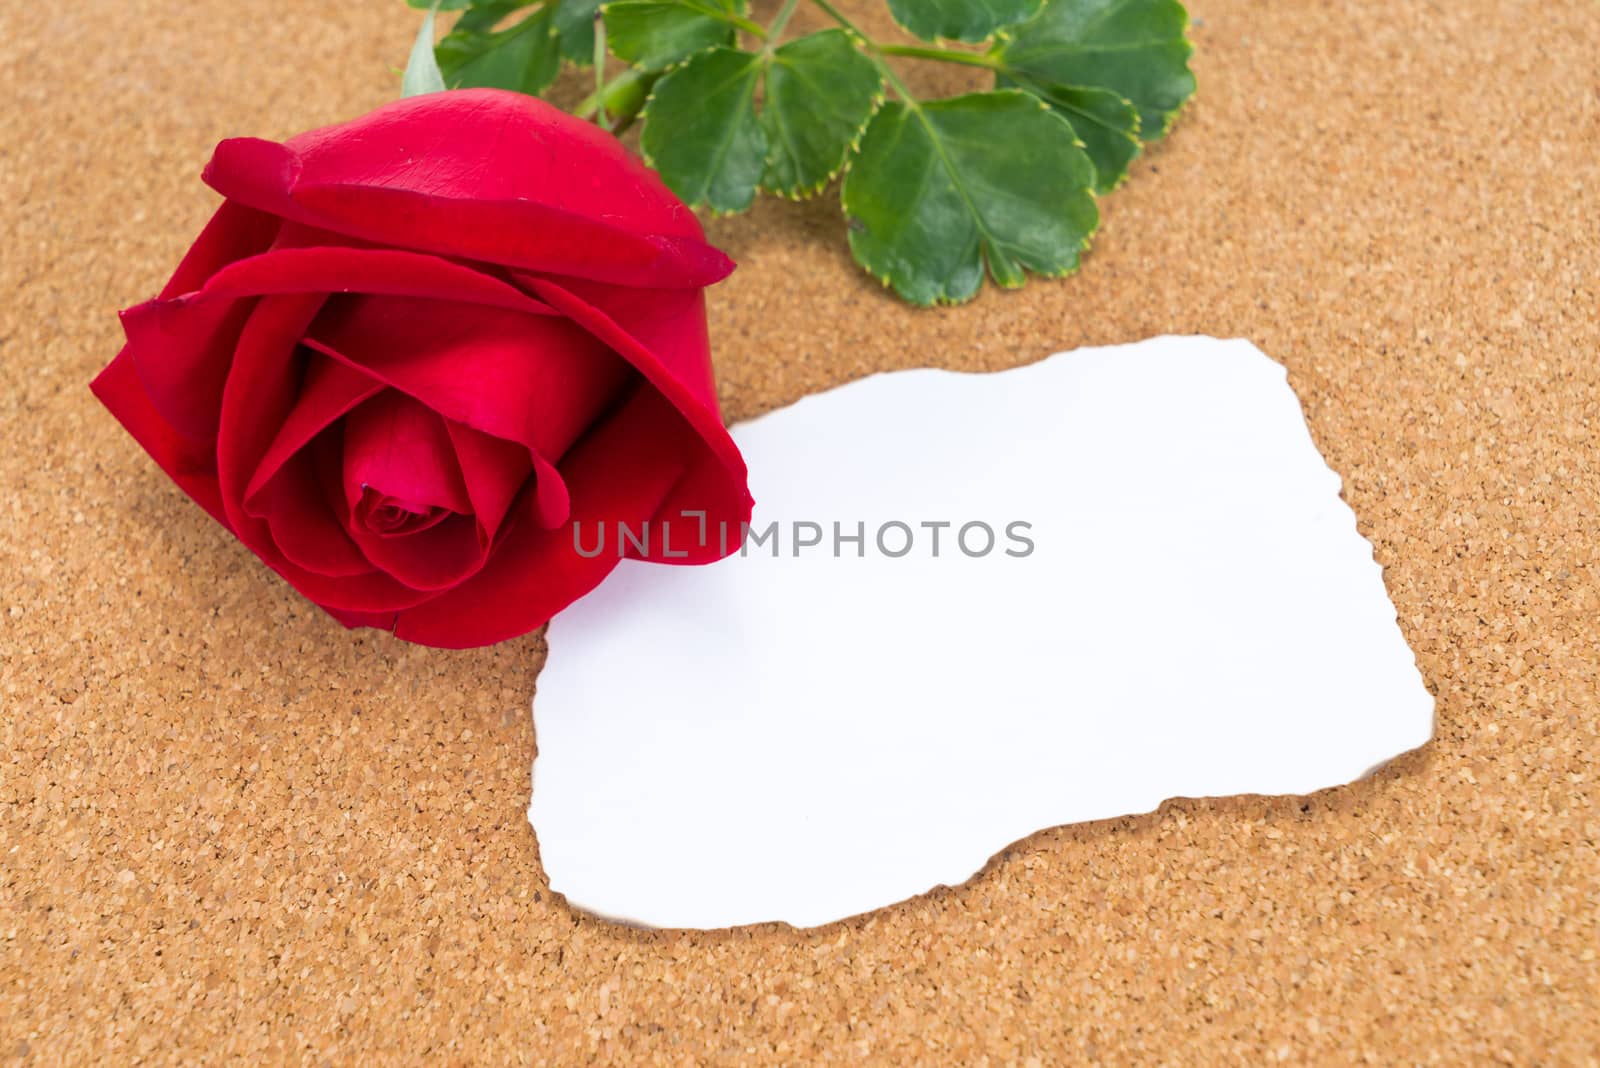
(663, 334)
(558, 194)
(180, 363)
(182, 343)
(190, 464)
(354, 620)
(183, 349)
(233, 233)
(379, 271)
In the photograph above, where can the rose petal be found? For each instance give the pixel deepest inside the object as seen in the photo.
(393, 517)
(286, 488)
(436, 558)
(352, 620)
(663, 335)
(495, 471)
(535, 379)
(400, 453)
(551, 504)
(183, 351)
(234, 233)
(304, 526)
(193, 466)
(259, 395)
(516, 233)
(183, 345)
(401, 449)
(622, 471)
(344, 269)
(436, 146)
(329, 390)
(412, 174)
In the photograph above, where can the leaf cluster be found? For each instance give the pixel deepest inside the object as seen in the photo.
(936, 192)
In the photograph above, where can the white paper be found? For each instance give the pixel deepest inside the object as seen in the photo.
(810, 737)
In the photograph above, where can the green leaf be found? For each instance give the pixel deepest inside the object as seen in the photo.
(961, 20)
(574, 26)
(703, 135)
(442, 5)
(482, 16)
(1136, 48)
(701, 132)
(655, 34)
(422, 69)
(1107, 124)
(820, 92)
(937, 189)
(523, 57)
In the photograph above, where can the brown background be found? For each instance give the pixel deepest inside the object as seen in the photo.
(232, 830)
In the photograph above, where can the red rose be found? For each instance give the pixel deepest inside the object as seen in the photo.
(409, 352)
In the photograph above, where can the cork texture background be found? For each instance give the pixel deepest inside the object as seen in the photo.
(231, 831)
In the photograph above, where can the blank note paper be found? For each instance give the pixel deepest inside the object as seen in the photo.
(969, 607)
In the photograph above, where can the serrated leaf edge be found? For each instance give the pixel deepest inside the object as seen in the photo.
(585, 63)
(649, 161)
(992, 37)
(951, 302)
(805, 193)
(1139, 142)
(1168, 118)
(669, 68)
(794, 196)
(1003, 36)
(797, 194)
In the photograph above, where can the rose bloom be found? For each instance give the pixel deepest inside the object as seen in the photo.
(409, 352)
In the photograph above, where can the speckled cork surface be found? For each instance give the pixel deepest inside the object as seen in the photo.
(231, 831)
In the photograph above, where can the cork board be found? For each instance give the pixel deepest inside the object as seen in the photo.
(231, 831)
